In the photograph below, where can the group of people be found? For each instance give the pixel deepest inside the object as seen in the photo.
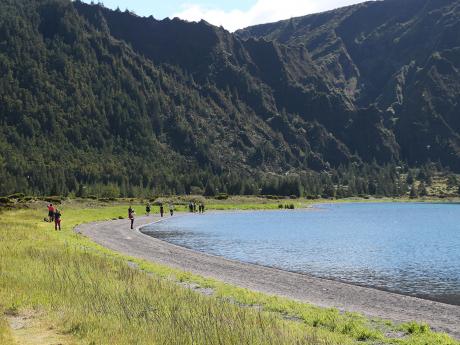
(148, 209)
(54, 215)
(192, 207)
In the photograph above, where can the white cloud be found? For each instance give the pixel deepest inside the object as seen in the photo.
(263, 11)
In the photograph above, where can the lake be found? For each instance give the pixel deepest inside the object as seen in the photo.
(408, 248)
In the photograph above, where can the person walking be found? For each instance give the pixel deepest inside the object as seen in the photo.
(171, 209)
(50, 212)
(131, 216)
(147, 209)
(162, 210)
(57, 219)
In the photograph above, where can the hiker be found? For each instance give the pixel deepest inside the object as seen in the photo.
(190, 206)
(57, 219)
(147, 209)
(194, 206)
(171, 209)
(131, 216)
(202, 207)
(50, 212)
(161, 210)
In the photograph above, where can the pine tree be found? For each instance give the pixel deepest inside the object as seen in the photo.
(422, 189)
(413, 192)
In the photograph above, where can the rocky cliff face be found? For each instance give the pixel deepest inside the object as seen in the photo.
(398, 60)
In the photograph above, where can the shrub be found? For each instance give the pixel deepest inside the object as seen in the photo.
(4, 200)
(415, 328)
(222, 196)
(106, 199)
(16, 196)
(28, 198)
(271, 197)
(53, 199)
(196, 190)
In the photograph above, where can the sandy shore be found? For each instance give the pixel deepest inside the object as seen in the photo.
(117, 236)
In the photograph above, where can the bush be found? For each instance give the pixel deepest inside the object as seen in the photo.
(4, 200)
(222, 196)
(16, 196)
(106, 199)
(53, 199)
(28, 198)
(158, 202)
(194, 190)
(415, 328)
(271, 197)
(280, 206)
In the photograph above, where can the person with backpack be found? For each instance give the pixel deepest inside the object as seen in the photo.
(57, 219)
(171, 209)
(147, 209)
(131, 216)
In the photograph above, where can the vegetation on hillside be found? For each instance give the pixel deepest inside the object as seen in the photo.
(106, 103)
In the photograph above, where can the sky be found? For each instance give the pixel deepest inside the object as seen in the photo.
(231, 14)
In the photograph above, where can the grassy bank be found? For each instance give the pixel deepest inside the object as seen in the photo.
(93, 294)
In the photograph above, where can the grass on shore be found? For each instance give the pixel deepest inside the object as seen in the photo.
(94, 295)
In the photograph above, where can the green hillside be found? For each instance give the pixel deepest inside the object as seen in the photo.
(94, 101)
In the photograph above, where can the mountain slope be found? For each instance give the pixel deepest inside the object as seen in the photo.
(399, 56)
(120, 104)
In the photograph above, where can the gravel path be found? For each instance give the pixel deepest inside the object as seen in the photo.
(117, 236)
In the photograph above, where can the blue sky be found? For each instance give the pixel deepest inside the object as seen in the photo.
(161, 9)
(232, 15)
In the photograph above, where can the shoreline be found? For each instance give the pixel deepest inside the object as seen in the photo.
(277, 268)
(370, 302)
(313, 207)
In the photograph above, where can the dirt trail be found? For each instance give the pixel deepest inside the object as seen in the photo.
(117, 236)
(28, 328)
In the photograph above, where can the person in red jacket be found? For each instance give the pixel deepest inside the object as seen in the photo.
(50, 212)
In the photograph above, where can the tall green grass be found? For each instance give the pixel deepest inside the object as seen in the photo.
(93, 294)
(5, 335)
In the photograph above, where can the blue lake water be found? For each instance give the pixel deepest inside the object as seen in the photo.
(407, 248)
